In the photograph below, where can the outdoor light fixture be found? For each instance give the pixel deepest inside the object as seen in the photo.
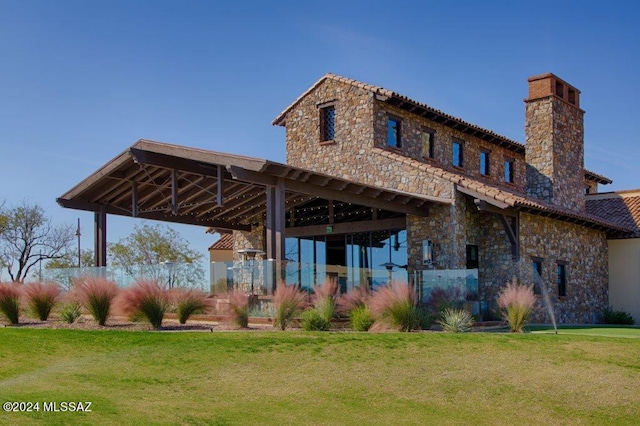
(427, 252)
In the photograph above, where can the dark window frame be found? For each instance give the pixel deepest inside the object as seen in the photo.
(487, 162)
(327, 135)
(457, 161)
(561, 278)
(430, 152)
(397, 131)
(509, 170)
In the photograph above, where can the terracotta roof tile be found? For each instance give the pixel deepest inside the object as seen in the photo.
(622, 208)
(225, 242)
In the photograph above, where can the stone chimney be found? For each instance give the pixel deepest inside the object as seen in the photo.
(554, 128)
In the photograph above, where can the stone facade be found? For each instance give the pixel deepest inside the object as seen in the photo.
(551, 170)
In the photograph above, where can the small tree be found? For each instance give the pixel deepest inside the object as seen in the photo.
(164, 254)
(28, 237)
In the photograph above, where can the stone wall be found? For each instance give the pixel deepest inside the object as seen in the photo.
(555, 152)
(586, 255)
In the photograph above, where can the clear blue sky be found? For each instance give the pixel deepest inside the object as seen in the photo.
(80, 81)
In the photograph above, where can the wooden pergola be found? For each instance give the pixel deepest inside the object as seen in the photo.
(172, 183)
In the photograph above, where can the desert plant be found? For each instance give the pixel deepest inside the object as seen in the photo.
(70, 312)
(361, 318)
(145, 299)
(288, 302)
(238, 308)
(10, 301)
(347, 302)
(324, 298)
(395, 304)
(456, 320)
(612, 316)
(41, 298)
(314, 320)
(188, 302)
(96, 296)
(517, 302)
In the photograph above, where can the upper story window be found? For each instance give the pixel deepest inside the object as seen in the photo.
(428, 138)
(327, 123)
(484, 163)
(393, 132)
(509, 170)
(562, 278)
(457, 159)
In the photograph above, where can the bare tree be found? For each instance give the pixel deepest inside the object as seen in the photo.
(29, 238)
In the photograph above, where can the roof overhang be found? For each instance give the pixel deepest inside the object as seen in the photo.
(159, 181)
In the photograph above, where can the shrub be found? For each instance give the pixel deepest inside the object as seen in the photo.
(189, 302)
(456, 320)
(238, 309)
(611, 316)
(145, 299)
(324, 298)
(314, 320)
(10, 301)
(41, 298)
(347, 302)
(70, 312)
(395, 305)
(361, 318)
(96, 296)
(288, 302)
(517, 302)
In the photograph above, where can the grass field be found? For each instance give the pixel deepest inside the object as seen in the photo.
(320, 378)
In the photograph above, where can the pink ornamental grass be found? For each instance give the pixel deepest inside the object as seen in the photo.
(96, 296)
(395, 305)
(41, 298)
(189, 301)
(146, 299)
(516, 302)
(237, 310)
(288, 301)
(10, 294)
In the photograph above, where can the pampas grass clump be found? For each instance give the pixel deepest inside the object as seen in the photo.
(238, 308)
(516, 302)
(145, 299)
(10, 301)
(395, 305)
(41, 298)
(188, 302)
(289, 301)
(96, 296)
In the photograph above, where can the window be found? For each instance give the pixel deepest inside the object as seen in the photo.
(536, 264)
(509, 171)
(562, 278)
(484, 163)
(393, 132)
(457, 153)
(327, 123)
(572, 96)
(559, 89)
(428, 137)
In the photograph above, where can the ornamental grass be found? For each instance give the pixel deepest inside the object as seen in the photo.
(188, 302)
(288, 301)
(237, 310)
(96, 295)
(395, 305)
(516, 302)
(145, 299)
(41, 298)
(10, 301)
(456, 320)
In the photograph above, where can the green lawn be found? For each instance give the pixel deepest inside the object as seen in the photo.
(320, 378)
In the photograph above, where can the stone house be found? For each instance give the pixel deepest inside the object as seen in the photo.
(513, 209)
(376, 181)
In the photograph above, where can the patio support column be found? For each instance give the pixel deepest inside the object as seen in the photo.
(275, 226)
(100, 237)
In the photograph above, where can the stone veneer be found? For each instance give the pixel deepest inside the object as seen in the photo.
(555, 152)
(360, 125)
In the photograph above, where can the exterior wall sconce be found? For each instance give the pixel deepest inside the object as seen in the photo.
(427, 253)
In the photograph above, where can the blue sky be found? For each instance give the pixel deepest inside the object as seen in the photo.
(80, 81)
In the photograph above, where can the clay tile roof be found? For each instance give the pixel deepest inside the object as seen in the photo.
(225, 242)
(622, 208)
(520, 200)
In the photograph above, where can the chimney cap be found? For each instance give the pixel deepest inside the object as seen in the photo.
(549, 84)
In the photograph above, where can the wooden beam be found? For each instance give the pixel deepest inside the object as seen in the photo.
(174, 191)
(511, 227)
(219, 185)
(348, 227)
(134, 199)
